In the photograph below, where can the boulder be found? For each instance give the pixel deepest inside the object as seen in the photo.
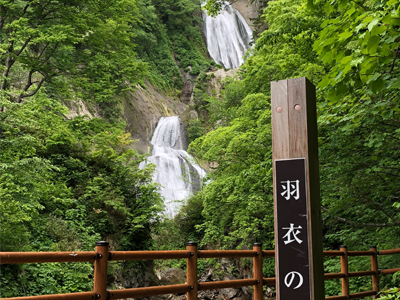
(172, 276)
(231, 293)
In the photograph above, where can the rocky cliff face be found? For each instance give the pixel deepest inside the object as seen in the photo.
(142, 110)
(248, 10)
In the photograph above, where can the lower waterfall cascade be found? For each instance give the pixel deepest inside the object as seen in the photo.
(228, 36)
(176, 171)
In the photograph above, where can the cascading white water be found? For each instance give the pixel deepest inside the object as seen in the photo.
(176, 171)
(228, 36)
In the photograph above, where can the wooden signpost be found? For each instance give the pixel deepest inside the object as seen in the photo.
(298, 234)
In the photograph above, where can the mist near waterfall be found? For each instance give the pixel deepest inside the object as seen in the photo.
(228, 36)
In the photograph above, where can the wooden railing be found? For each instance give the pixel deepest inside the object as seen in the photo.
(102, 255)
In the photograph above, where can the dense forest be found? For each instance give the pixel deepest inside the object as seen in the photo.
(67, 182)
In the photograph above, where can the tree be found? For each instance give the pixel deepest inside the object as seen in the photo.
(238, 199)
(65, 184)
(213, 7)
(359, 122)
(86, 45)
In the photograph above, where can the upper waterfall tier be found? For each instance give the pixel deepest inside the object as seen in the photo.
(176, 171)
(228, 36)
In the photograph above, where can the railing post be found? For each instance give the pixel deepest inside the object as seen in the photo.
(100, 270)
(192, 270)
(344, 268)
(374, 267)
(258, 272)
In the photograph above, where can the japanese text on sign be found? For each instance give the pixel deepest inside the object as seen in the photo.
(291, 205)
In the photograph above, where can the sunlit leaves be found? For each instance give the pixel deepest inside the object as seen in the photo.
(367, 33)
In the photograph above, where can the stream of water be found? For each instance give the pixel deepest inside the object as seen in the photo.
(228, 36)
(176, 170)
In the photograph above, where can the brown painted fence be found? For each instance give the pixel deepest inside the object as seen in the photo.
(101, 256)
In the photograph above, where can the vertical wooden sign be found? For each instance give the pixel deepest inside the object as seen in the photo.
(298, 233)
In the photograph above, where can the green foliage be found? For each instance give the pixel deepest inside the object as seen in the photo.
(223, 109)
(195, 129)
(170, 31)
(354, 59)
(84, 45)
(359, 120)
(392, 294)
(235, 200)
(283, 51)
(66, 184)
(358, 134)
(213, 7)
(200, 92)
(50, 278)
(360, 43)
(94, 50)
(238, 206)
(173, 234)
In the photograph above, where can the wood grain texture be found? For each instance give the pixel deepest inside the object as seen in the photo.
(295, 135)
(344, 268)
(374, 267)
(192, 272)
(100, 271)
(72, 296)
(280, 143)
(280, 123)
(258, 273)
(42, 257)
(148, 255)
(148, 291)
(214, 285)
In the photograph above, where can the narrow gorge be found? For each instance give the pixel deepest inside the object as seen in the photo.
(228, 37)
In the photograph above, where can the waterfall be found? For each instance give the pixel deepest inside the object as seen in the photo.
(228, 36)
(176, 171)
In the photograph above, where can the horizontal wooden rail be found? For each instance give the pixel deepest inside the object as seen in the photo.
(226, 253)
(328, 276)
(333, 253)
(72, 296)
(360, 253)
(102, 255)
(215, 285)
(42, 257)
(149, 291)
(362, 294)
(148, 255)
(391, 251)
(269, 281)
(390, 271)
(268, 253)
(90, 256)
(361, 273)
(353, 296)
(336, 298)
